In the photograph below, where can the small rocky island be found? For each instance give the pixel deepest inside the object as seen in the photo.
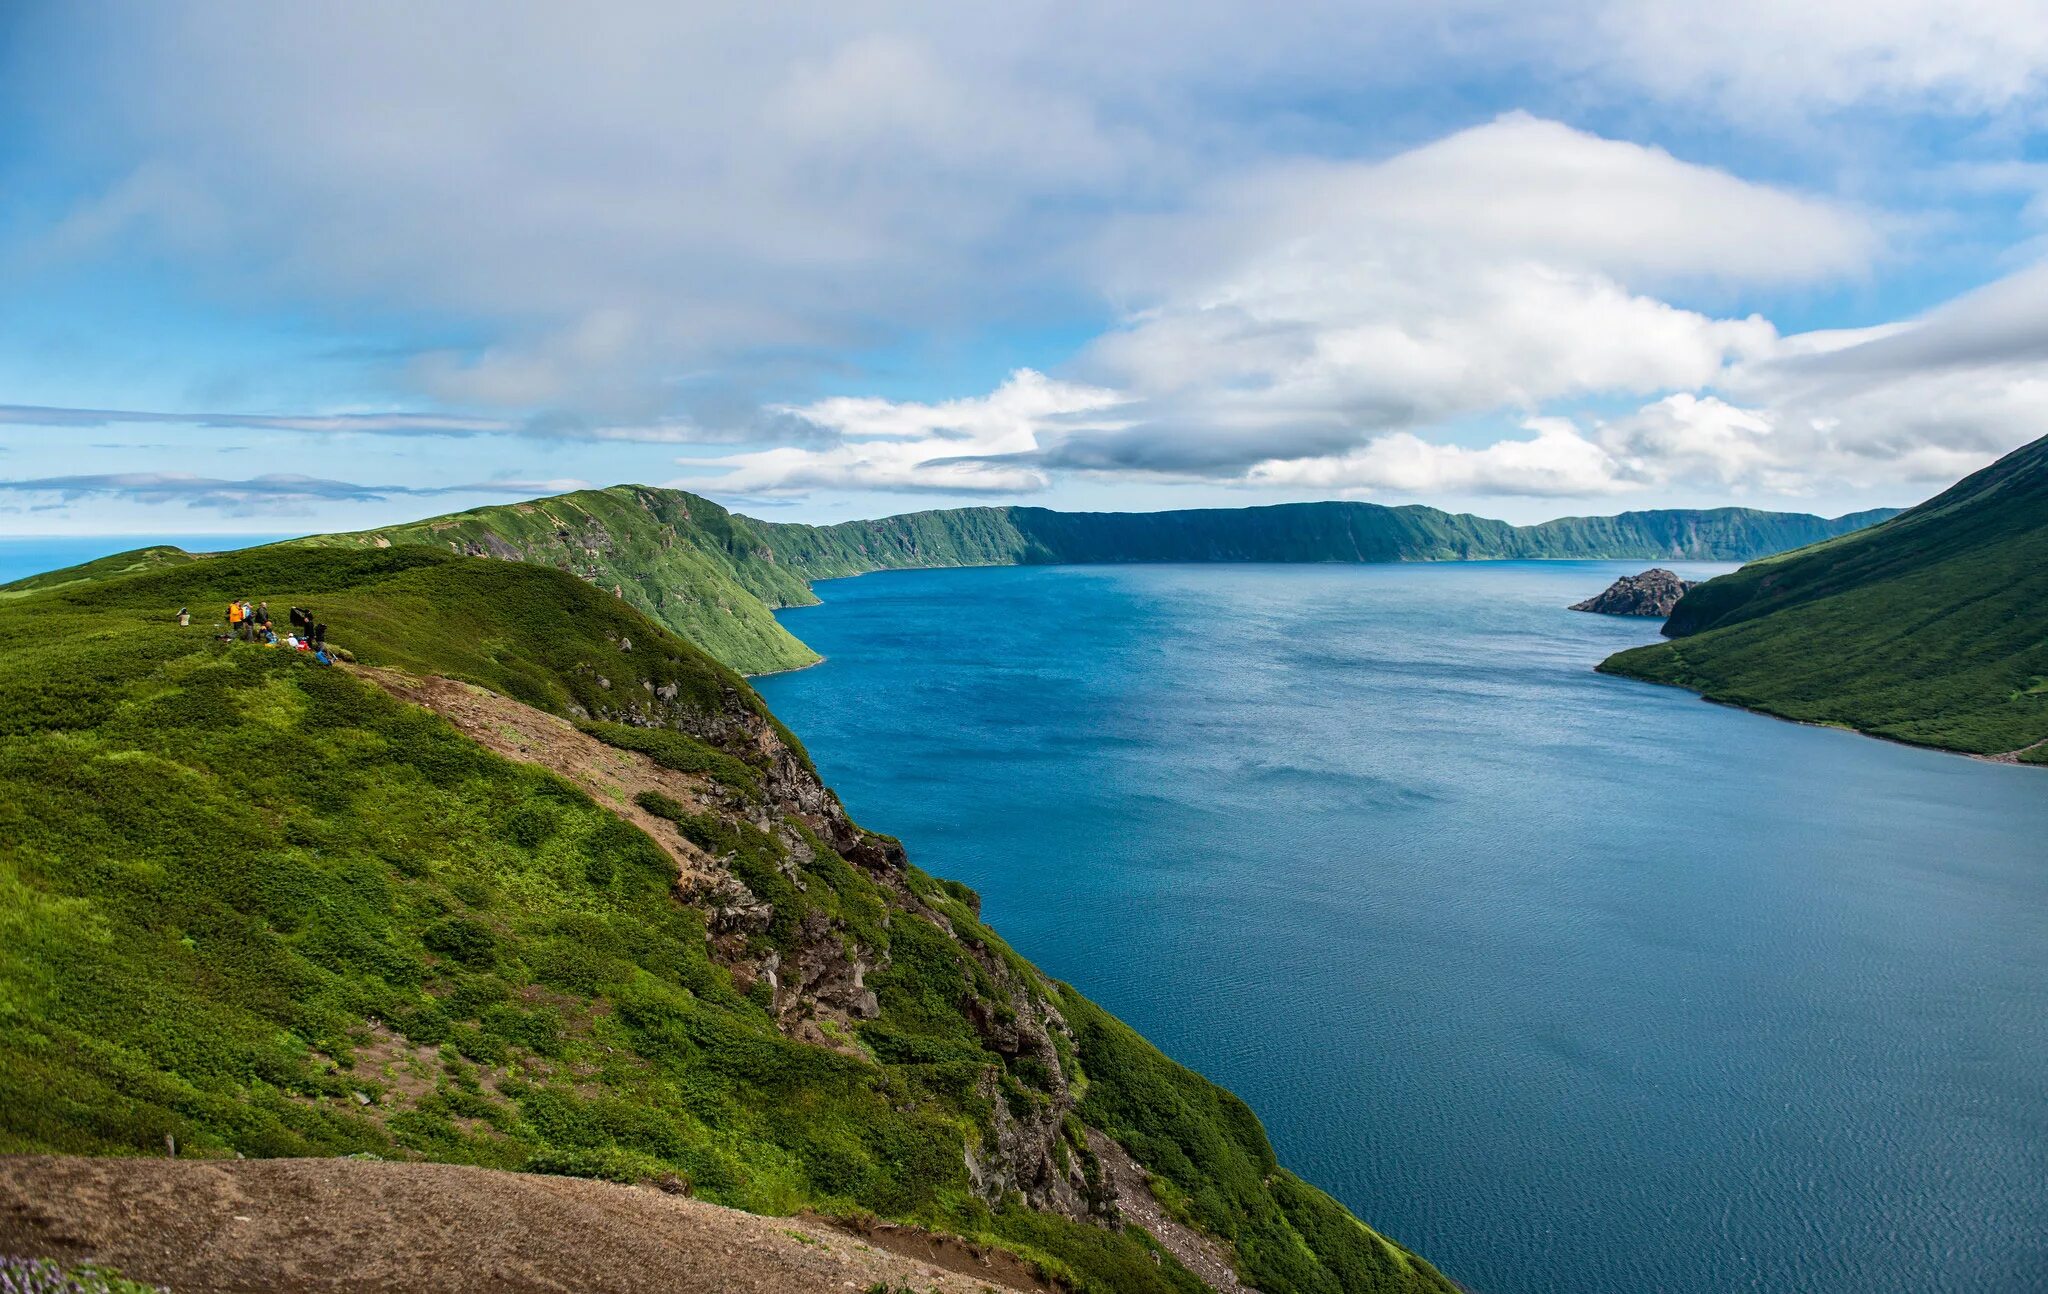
(1653, 593)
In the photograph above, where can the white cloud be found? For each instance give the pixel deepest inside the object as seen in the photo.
(961, 446)
(1505, 267)
(1556, 462)
(638, 226)
(1302, 324)
(1756, 57)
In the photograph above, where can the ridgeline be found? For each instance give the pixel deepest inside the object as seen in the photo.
(715, 577)
(1931, 628)
(536, 884)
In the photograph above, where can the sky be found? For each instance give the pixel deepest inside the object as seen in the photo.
(289, 268)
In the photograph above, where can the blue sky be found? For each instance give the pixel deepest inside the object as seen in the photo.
(274, 268)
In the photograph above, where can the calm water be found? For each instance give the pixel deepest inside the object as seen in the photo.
(1572, 983)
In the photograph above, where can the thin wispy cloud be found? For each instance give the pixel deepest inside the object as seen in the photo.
(373, 424)
(282, 493)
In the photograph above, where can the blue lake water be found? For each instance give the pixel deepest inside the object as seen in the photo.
(1574, 984)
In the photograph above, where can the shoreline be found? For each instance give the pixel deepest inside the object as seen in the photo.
(2011, 758)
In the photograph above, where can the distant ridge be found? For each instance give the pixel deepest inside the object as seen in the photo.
(715, 576)
(1930, 628)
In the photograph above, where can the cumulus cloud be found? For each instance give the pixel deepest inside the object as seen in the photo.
(972, 446)
(602, 205)
(1301, 325)
(1555, 462)
(1504, 266)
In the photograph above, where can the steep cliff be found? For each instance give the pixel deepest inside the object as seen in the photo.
(535, 884)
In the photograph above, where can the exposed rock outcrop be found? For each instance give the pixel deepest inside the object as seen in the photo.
(1653, 593)
(816, 971)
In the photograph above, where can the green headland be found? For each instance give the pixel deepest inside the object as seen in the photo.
(1930, 628)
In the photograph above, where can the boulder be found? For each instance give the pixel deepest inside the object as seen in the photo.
(1653, 593)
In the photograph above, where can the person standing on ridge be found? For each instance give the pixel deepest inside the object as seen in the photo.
(234, 619)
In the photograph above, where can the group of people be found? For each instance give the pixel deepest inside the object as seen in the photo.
(251, 624)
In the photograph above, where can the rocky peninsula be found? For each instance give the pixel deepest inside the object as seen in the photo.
(1653, 593)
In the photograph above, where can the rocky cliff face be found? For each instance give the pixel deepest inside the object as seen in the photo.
(816, 971)
(1653, 593)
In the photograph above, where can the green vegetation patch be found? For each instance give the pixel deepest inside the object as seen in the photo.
(1931, 628)
(681, 752)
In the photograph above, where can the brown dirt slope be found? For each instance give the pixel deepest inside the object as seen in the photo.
(610, 776)
(341, 1224)
(1198, 1253)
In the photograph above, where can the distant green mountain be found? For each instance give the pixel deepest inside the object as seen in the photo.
(125, 563)
(715, 577)
(1930, 628)
(536, 884)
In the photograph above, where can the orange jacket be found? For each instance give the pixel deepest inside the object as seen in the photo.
(234, 613)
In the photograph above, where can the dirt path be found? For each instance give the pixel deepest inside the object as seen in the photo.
(611, 776)
(2016, 756)
(1197, 1252)
(352, 1225)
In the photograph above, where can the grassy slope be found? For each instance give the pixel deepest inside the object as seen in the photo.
(125, 563)
(713, 576)
(219, 864)
(684, 561)
(1931, 628)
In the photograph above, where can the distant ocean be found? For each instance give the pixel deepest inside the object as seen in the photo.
(1576, 984)
(35, 554)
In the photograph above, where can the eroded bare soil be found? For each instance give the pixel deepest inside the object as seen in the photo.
(611, 776)
(355, 1225)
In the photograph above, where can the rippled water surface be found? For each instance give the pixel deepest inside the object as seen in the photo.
(1572, 983)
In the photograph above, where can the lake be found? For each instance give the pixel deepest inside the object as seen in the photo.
(1574, 984)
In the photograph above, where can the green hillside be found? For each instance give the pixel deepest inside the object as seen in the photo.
(251, 905)
(1930, 628)
(127, 563)
(685, 562)
(715, 577)
(1294, 532)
